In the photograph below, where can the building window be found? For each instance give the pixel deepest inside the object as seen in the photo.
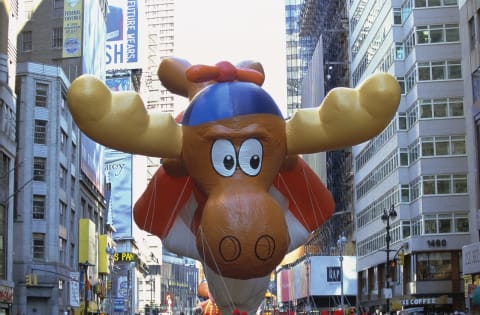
(27, 44)
(40, 135)
(397, 16)
(39, 165)
(63, 178)
(58, 8)
(38, 246)
(63, 141)
(3, 238)
(62, 244)
(41, 94)
(57, 37)
(434, 266)
(439, 70)
(461, 223)
(444, 184)
(472, 33)
(38, 212)
(62, 213)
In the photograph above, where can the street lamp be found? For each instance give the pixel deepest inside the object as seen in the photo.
(342, 240)
(386, 216)
(111, 252)
(84, 267)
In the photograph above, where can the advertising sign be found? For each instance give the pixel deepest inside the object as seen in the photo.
(118, 175)
(72, 28)
(122, 35)
(326, 275)
(91, 161)
(74, 289)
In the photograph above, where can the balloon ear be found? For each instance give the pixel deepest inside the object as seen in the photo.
(171, 73)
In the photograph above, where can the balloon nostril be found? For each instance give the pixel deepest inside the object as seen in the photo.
(230, 248)
(265, 247)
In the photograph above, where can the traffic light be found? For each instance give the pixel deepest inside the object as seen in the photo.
(393, 263)
(28, 280)
(401, 258)
(31, 279)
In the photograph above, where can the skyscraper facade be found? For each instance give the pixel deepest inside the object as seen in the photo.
(411, 192)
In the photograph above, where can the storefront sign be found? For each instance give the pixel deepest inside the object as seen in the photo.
(443, 299)
(6, 294)
(471, 258)
(334, 274)
(124, 257)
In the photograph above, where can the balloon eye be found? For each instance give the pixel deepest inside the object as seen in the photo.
(229, 162)
(250, 157)
(223, 157)
(255, 161)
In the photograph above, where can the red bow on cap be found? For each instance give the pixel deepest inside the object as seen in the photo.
(223, 71)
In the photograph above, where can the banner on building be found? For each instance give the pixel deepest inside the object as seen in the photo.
(74, 289)
(72, 28)
(118, 175)
(122, 35)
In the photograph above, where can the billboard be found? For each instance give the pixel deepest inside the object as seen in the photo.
(72, 28)
(326, 277)
(93, 61)
(283, 285)
(118, 176)
(317, 276)
(91, 161)
(123, 36)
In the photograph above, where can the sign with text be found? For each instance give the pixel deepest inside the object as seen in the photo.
(334, 274)
(122, 35)
(72, 28)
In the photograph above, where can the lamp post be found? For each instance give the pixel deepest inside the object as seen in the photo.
(110, 251)
(341, 245)
(84, 267)
(386, 216)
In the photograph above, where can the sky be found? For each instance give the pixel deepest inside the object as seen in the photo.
(210, 31)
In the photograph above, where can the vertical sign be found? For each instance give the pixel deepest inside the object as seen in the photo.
(122, 35)
(72, 28)
(74, 289)
(118, 174)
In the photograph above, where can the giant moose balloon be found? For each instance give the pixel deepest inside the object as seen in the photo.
(233, 190)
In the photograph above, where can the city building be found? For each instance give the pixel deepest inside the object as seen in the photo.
(317, 61)
(470, 39)
(57, 181)
(8, 23)
(412, 209)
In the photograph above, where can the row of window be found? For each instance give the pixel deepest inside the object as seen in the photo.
(422, 147)
(443, 184)
(440, 223)
(422, 109)
(382, 171)
(39, 249)
(420, 35)
(436, 146)
(433, 265)
(367, 25)
(372, 49)
(56, 39)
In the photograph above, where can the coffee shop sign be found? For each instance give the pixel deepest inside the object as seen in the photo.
(419, 301)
